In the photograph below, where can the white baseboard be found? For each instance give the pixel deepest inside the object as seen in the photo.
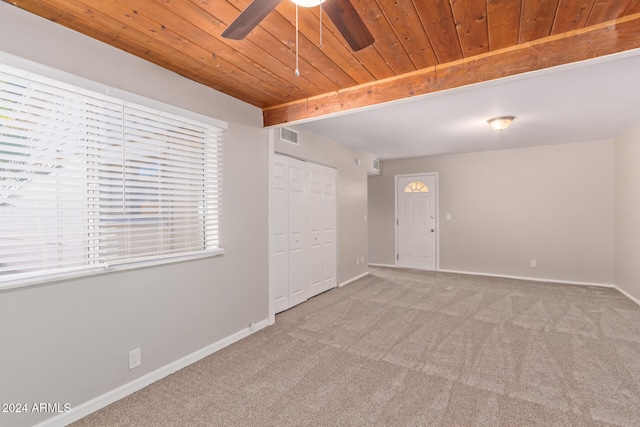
(627, 294)
(353, 279)
(116, 394)
(533, 279)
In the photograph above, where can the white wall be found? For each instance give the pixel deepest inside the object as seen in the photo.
(627, 211)
(352, 197)
(68, 342)
(553, 204)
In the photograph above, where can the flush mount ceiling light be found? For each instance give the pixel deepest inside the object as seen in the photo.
(308, 3)
(501, 123)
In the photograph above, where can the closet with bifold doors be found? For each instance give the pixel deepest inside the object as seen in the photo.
(302, 241)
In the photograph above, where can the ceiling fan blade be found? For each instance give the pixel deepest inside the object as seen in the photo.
(249, 19)
(346, 19)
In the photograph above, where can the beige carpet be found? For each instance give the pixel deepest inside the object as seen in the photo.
(409, 348)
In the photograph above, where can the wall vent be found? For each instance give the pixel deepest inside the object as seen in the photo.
(375, 165)
(289, 135)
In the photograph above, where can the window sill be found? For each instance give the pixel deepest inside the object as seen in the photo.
(42, 279)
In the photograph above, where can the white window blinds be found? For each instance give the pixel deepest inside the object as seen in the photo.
(88, 180)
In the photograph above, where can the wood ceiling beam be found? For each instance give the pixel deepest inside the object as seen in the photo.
(607, 38)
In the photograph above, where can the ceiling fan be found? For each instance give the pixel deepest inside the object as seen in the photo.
(341, 12)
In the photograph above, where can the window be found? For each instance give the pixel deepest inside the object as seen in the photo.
(88, 181)
(416, 187)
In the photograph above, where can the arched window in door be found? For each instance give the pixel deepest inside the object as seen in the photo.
(416, 187)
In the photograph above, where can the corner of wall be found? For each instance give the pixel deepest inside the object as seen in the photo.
(626, 208)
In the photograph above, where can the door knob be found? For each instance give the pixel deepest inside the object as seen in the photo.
(433, 229)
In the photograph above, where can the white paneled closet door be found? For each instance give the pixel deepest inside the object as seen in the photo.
(279, 238)
(303, 246)
(298, 287)
(322, 228)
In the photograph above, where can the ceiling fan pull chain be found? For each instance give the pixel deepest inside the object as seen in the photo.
(297, 72)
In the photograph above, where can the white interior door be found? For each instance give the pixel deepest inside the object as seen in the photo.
(416, 221)
(329, 233)
(279, 239)
(298, 288)
(322, 228)
(302, 209)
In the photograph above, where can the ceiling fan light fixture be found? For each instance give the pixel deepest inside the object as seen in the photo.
(501, 123)
(308, 3)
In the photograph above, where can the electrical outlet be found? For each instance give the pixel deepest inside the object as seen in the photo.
(135, 358)
(534, 263)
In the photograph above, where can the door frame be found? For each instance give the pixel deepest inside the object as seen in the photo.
(437, 209)
(271, 306)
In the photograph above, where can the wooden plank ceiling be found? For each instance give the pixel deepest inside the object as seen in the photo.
(421, 46)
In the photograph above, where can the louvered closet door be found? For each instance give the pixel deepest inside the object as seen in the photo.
(322, 228)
